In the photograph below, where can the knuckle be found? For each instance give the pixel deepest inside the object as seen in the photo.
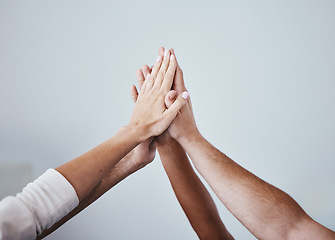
(160, 75)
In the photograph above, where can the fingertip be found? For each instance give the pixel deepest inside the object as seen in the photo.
(139, 74)
(161, 51)
(172, 50)
(145, 70)
(185, 95)
(170, 98)
(166, 53)
(133, 92)
(132, 88)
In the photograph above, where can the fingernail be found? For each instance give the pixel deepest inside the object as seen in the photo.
(159, 58)
(166, 52)
(172, 57)
(185, 95)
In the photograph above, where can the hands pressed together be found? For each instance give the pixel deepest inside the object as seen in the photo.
(170, 115)
(169, 123)
(163, 118)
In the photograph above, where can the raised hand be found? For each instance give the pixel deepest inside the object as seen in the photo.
(153, 120)
(184, 124)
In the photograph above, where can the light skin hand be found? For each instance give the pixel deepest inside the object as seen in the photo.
(183, 125)
(265, 210)
(189, 190)
(137, 158)
(150, 118)
(154, 120)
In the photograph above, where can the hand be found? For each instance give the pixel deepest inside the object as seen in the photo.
(150, 116)
(142, 155)
(145, 152)
(184, 125)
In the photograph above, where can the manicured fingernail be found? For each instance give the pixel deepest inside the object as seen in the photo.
(159, 58)
(166, 52)
(185, 95)
(172, 57)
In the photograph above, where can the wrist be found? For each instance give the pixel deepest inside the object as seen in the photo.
(163, 139)
(133, 132)
(189, 139)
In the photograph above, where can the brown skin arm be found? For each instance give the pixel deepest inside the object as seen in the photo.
(192, 195)
(189, 190)
(265, 210)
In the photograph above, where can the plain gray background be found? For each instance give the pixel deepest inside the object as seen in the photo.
(261, 75)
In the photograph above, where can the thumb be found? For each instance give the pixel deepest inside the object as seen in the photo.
(170, 98)
(133, 93)
(176, 106)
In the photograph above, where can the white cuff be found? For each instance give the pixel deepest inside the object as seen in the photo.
(50, 197)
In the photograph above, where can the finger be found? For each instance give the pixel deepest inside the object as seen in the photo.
(172, 112)
(153, 71)
(146, 73)
(172, 52)
(156, 66)
(161, 51)
(140, 78)
(170, 98)
(169, 75)
(145, 70)
(178, 82)
(164, 66)
(133, 93)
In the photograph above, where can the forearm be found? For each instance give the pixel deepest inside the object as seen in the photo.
(86, 171)
(262, 208)
(120, 171)
(190, 192)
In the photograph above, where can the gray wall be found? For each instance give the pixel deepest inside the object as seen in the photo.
(261, 75)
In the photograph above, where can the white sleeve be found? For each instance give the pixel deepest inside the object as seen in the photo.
(39, 206)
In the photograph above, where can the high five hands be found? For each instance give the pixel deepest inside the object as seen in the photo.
(163, 116)
(183, 126)
(155, 88)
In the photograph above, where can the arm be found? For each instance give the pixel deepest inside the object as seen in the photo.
(193, 197)
(150, 118)
(265, 210)
(132, 162)
(95, 172)
(56, 193)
